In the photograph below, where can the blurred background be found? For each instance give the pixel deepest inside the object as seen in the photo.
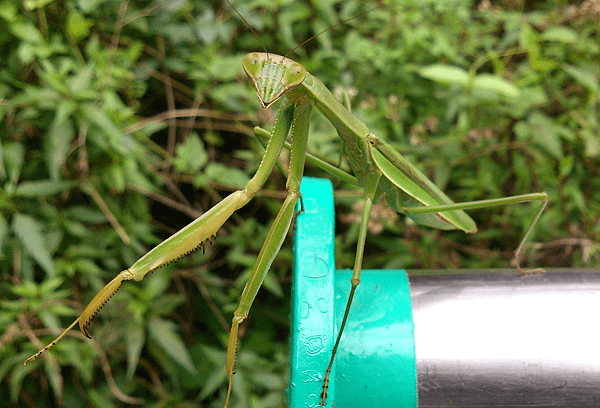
(122, 121)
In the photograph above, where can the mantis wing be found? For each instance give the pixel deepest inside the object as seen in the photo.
(403, 175)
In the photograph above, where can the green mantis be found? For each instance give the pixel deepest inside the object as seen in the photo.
(378, 169)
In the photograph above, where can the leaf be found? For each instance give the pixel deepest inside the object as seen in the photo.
(219, 374)
(28, 230)
(2, 168)
(87, 6)
(214, 382)
(33, 189)
(115, 177)
(35, 4)
(166, 303)
(222, 174)
(9, 11)
(530, 41)
(163, 332)
(528, 97)
(3, 231)
(16, 379)
(206, 28)
(585, 77)
(157, 283)
(226, 68)
(544, 132)
(78, 26)
(60, 136)
(133, 175)
(497, 84)
(14, 155)
(560, 34)
(53, 373)
(26, 32)
(81, 83)
(191, 155)
(99, 118)
(233, 97)
(136, 338)
(591, 141)
(271, 283)
(445, 73)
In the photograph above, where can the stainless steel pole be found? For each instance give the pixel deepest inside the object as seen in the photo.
(499, 338)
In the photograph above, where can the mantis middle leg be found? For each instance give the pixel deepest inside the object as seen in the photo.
(371, 183)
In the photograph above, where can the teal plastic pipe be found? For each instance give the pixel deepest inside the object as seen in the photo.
(376, 363)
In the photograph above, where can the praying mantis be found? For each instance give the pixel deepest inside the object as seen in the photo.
(378, 169)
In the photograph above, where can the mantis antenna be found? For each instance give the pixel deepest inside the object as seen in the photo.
(305, 41)
(250, 27)
(327, 29)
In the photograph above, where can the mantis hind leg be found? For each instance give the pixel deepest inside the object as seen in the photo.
(518, 255)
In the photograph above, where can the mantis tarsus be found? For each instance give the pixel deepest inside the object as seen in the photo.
(378, 169)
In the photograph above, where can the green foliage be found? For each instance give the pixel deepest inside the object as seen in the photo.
(101, 158)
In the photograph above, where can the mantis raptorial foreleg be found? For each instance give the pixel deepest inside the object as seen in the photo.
(276, 234)
(191, 237)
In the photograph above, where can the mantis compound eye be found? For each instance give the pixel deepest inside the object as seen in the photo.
(253, 63)
(294, 74)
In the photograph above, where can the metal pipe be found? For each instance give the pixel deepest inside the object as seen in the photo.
(481, 338)
(505, 339)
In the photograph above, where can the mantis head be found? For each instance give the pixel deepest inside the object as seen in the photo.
(272, 75)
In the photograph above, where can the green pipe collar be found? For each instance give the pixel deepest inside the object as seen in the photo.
(376, 363)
